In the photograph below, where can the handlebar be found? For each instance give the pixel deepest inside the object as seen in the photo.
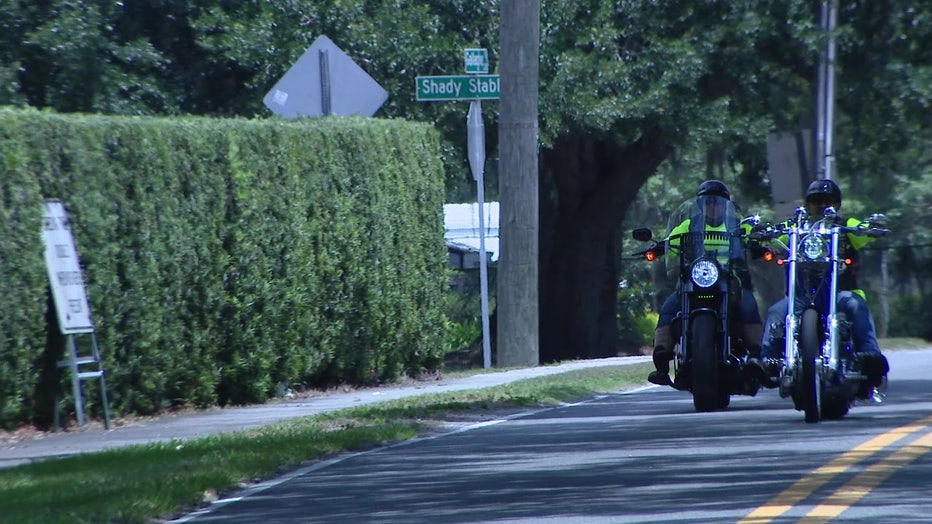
(770, 231)
(865, 230)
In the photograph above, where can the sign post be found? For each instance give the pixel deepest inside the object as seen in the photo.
(475, 129)
(476, 86)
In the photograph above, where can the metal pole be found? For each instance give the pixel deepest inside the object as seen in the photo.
(324, 58)
(476, 146)
(826, 93)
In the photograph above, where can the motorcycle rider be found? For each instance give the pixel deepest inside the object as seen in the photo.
(851, 300)
(710, 193)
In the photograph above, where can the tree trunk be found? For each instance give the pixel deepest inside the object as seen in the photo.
(517, 296)
(596, 181)
(884, 295)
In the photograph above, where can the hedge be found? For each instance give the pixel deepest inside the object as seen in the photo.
(225, 259)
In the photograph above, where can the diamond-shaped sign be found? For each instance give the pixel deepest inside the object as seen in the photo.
(325, 81)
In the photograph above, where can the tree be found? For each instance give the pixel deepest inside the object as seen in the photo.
(623, 95)
(627, 87)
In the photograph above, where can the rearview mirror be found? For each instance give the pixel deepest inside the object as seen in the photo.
(642, 233)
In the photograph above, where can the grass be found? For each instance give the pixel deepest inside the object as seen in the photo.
(903, 343)
(165, 480)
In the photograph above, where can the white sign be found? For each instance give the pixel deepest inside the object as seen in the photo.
(64, 269)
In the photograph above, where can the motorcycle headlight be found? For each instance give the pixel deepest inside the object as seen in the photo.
(813, 247)
(704, 273)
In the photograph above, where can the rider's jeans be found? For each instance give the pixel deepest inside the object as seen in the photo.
(671, 307)
(863, 334)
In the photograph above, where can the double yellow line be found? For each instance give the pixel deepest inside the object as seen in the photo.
(858, 487)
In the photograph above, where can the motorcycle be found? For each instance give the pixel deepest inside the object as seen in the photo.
(820, 369)
(710, 357)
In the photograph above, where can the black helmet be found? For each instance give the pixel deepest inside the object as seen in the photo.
(713, 187)
(824, 187)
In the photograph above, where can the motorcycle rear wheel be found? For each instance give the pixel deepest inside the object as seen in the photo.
(809, 350)
(706, 378)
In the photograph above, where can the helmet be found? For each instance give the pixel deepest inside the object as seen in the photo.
(713, 187)
(824, 187)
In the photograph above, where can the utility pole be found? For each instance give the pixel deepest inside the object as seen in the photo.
(825, 97)
(518, 341)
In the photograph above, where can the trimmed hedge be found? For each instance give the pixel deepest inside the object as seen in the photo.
(224, 259)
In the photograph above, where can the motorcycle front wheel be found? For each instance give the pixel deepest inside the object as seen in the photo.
(810, 343)
(706, 381)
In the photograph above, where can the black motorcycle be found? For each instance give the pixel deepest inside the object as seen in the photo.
(711, 358)
(820, 369)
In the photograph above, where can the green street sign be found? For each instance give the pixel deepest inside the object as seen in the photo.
(469, 87)
(476, 61)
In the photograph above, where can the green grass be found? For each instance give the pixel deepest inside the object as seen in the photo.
(159, 481)
(903, 343)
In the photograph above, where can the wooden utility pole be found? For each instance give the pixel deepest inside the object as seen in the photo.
(518, 342)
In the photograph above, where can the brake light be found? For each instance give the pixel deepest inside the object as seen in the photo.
(848, 261)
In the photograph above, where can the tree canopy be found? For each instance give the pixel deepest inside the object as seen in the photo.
(627, 89)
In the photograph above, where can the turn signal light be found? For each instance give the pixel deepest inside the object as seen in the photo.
(650, 256)
(768, 256)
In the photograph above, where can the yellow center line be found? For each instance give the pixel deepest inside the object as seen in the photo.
(849, 494)
(805, 486)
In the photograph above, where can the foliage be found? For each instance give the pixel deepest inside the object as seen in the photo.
(464, 307)
(219, 58)
(461, 335)
(707, 80)
(223, 256)
(911, 316)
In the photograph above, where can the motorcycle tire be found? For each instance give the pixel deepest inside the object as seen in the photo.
(810, 343)
(706, 376)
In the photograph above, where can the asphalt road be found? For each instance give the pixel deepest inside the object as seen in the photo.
(642, 456)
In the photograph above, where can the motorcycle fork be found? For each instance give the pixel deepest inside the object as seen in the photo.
(830, 346)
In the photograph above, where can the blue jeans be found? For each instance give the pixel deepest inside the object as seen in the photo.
(748, 309)
(863, 335)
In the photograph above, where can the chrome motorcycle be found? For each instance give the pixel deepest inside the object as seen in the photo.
(820, 369)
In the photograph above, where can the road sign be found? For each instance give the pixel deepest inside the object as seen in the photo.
(325, 81)
(64, 270)
(469, 87)
(476, 61)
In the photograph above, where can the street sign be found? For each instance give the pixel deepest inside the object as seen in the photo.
(325, 81)
(469, 87)
(476, 61)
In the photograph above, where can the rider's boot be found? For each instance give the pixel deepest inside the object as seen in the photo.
(875, 367)
(752, 334)
(663, 354)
